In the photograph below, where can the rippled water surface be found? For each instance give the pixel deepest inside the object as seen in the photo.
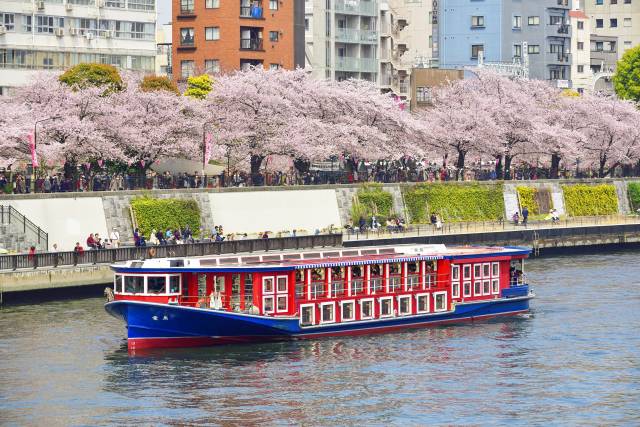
(574, 360)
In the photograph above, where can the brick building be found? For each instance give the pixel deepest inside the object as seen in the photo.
(217, 36)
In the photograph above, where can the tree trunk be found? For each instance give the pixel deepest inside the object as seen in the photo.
(601, 172)
(256, 163)
(499, 168)
(460, 164)
(507, 166)
(301, 165)
(555, 166)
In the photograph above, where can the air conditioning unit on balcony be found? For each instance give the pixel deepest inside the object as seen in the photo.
(59, 32)
(89, 36)
(3, 29)
(40, 4)
(68, 6)
(108, 34)
(100, 3)
(73, 31)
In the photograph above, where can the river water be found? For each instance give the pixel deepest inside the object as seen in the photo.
(575, 360)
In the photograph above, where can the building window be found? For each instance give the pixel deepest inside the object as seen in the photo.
(347, 311)
(274, 66)
(477, 50)
(139, 4)
(306, 24)
(404, 305)
(8, 20)
(556, 74)
(555, 20)
(581, 25)
(273, 36)
(366, 309)
(186, 6)
(211, 66)
(440, 301)
(517, 51)
(386, 307)
(477, 22)
(599, 23)
(627, 44)
(327, 312)
(186, 69)
(212, 4)
(599, 2)
(626, 22)
(533, 49)
(212, 33)
(533, 20)
(186, 36)
(273, 4)
(423, 94)
(422, 303)
(307, 314)
(517, 22)
(581, 68)
(580, 45)
(27, 24)
(613, 22)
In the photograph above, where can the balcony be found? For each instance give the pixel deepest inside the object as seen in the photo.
(353, 35)
(559, 58)
(253, 10)
(356, 7)
(251, 44)
(385, 80)
(186, 14)
(351, 64)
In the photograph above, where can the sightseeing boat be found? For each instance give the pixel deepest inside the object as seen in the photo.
(307, 294)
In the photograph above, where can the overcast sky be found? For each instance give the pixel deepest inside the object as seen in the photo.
(164, 12)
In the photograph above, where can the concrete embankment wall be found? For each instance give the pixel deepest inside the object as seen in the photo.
(70, 217)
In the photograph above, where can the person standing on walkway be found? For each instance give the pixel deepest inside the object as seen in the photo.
(115, 238)
(525, 216)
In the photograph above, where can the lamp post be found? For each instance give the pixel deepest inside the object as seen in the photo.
(35, 147)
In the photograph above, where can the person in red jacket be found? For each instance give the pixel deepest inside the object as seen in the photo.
(91, 242)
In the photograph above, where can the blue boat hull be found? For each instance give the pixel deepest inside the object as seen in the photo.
(152, 325)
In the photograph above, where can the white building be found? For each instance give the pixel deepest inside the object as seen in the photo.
(619, 19)
(163, 56)
(57, 34)
(581, 75)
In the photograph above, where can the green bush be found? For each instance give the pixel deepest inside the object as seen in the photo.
(370, 200)
(587, 200)
(527, 198)
(198, 87)
(161, 214)
(634, 195)
(153, 83)
(85, 75)
(469, 202)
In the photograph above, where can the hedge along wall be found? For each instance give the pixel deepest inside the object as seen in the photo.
(633, 190)
(587, 200)
(160, 214)
(537, 200)
(453, 202)
(370, 200)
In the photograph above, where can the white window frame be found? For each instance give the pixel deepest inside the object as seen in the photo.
(466, 267)
(495, 286)
(487, 266)
(214, 32)
(353, 310)
(286, 305)
(413, 282)
(455, 286)
(273, 303)
(455, 268)
(466, 294)
(380, 301)
(313, 313)
(486, 290)
(407, 297)
(435, 305)
(118, 278)
(144, 284)
(373, 308)
(478, 267)
(479, 289)
(424, 295)
(322, 305)
(273, 285)
(286, 283)
(495, 269)
(212, 4)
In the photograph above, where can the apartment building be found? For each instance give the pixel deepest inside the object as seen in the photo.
(499, 31)
(164, 51)
(57, 34)
(342, 39)
(581, 75)
(214, 36)
(615, 18)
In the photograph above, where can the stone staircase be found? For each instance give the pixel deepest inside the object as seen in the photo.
(18, 233)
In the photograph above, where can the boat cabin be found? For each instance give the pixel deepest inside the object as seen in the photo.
(332, 285)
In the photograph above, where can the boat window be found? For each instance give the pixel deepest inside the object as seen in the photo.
(227, 261)
(486, 270)
(202, 285)
(375, 270)
(307, 315)
(337, 281)
(440, 301)
(495, 269)
(366, 309)
(282, 303)
(404, 305)
(486, 287)
(267, 285)
(394, 277)
(412, 267)
(327, 312)
(291, 256)
(311, 255)
(495, 286)
(349, 253)
(432, 266)
(477, 271)
(248, 291)
(267, 304)
(466, 271)
(300, 294)
(394, 268)
(317, 289)
(174, 284)
(235, 291)
(282, 284)
(219, 282)
(117, 283)
(477, 288)
(330, 254)
(134, 284)
(423, 303)
(270, 258)
(317, 274)
(348, 311)
(156, 284)
(455, 290)
(386, 307)
(413, 282)
(466, 289)
(376, 284)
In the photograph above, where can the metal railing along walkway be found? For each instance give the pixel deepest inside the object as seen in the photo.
(10, 216)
